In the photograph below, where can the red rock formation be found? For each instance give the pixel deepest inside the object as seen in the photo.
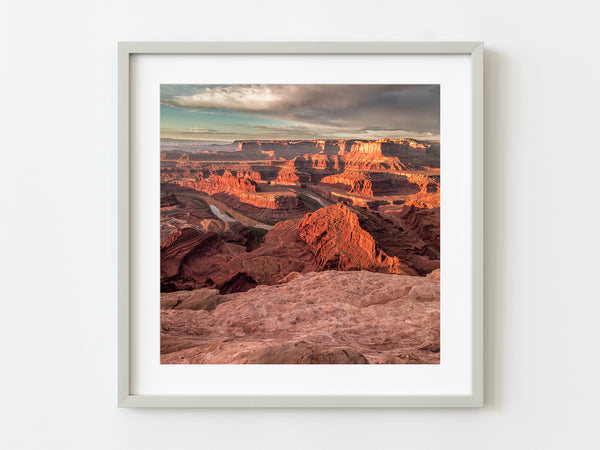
(229, 266)
(181, 212)
(245, 189)
(412, 153)
(353, 182)
(205, 299)
(266, 206)
(372, 184)
(228, 183)
(308, 169)
(245, 180)
(349, 238)
(426, 183)
(356, 172)
(256, 300)
(391, 147)
(332, 147)
(288, 149)
(318, 318)
(167, 200)
(183, 244)
(302, 353)
(328, 163)
(370, 156)
(289, 176)
(429, 194)
(240, 282)
(345, 238)
(434, 275)
(336, 237)
(425, 222)
(193, 234)
(183, 260)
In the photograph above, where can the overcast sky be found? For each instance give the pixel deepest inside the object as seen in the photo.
(299, 111)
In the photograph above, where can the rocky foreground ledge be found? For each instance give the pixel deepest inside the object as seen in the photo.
(330, 317)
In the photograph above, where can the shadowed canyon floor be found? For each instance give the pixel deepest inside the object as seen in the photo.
(329, 317)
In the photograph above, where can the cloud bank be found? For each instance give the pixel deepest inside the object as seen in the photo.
(328, 110)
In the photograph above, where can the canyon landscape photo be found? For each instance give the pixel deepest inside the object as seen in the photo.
(300, 224)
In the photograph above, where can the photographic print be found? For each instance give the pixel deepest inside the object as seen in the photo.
(299, 224)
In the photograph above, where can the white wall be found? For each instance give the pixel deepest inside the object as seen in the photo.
(58, 224)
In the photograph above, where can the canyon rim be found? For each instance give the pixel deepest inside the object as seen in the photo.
(300, 224)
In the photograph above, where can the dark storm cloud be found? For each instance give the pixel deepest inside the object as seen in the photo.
(350, 108)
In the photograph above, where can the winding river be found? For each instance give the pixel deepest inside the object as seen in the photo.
(217, 212)
(227, 218)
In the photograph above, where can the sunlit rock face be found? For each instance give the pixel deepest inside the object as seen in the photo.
(349, 238)
(368, 184)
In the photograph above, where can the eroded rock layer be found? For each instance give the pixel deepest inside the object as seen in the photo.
(329, 317)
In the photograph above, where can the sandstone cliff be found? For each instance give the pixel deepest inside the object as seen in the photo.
(228, 183)
(338, 241)
(371, 184)
(244, 187)
(309, 169)
(409, 150)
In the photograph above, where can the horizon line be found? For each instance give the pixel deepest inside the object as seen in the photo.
(299, 139)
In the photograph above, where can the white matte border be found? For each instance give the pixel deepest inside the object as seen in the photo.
(451, 378)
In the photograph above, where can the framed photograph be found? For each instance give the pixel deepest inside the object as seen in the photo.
(300, 224)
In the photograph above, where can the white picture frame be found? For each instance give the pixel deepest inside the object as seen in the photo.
(473, 268)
